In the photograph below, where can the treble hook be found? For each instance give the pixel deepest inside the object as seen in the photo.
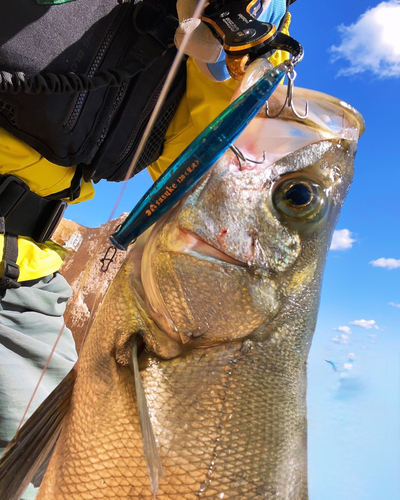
(240, 156)
(291, 74)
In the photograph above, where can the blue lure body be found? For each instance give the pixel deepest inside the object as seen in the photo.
(195, 161)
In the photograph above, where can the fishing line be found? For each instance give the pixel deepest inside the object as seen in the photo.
(168, 82)
(66, 318)
(42, 375)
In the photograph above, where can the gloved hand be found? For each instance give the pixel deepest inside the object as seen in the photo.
(204, 46)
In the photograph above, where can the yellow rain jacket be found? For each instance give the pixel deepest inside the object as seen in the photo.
(203, 101)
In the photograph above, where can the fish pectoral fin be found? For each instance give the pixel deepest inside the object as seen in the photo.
(27, 455)
(41, 470)
(152, 456)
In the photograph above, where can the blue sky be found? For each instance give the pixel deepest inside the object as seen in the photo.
(352, 51)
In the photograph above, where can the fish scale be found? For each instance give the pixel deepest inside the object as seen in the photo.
(95, 460)
(217, 421)
(210, 315)
(236, 428)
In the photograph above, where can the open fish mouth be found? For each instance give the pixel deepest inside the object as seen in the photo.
(178, 239)
(192, 244)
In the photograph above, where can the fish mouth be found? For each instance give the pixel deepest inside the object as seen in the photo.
(190, 243)
(186, 241)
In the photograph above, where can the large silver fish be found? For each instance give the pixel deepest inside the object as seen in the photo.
(223, 294)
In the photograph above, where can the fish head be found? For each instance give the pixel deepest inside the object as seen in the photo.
(251, 239)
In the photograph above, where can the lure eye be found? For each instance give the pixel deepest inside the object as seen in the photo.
(299, 199)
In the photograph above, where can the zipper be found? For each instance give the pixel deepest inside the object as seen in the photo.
(73, 118)
(117, 101)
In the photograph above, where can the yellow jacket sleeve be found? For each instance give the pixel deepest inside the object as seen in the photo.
(43, 177)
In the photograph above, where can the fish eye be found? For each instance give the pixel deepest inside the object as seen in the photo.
(299, 199)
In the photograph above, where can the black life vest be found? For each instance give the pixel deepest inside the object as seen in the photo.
(79, 80)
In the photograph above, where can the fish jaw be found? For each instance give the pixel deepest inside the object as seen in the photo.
(242, 298)
(233, 211)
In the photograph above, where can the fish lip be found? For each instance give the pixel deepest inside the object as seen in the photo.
(201, 248)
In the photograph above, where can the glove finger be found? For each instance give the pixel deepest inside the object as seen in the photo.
(202, 44)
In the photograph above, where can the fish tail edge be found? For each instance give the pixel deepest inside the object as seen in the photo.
(26, 457)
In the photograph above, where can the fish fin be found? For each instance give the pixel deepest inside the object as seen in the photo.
(153, 460)
(29, 451)
(41, 471)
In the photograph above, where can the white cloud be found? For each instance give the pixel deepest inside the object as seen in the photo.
(388, 263)
(348, 366)
(344, 329)
(351, 355)
(365, 323)
(342, 240)
(372, 43)
(342, 339)
(394, 305)
(373, 336)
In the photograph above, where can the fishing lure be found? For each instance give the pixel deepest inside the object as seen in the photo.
(194, 162)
